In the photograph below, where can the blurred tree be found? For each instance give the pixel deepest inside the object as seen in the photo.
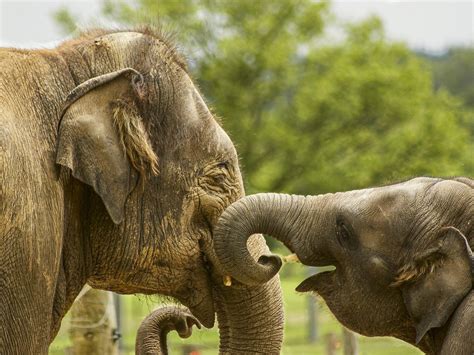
(310, 115)
(65, 19)
(454, 71)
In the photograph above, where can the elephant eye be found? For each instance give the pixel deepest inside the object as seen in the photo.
(223, 165)
(219, 178)
(344, 234)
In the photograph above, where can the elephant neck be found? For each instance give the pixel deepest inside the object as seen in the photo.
(70, 282)
(74, 262)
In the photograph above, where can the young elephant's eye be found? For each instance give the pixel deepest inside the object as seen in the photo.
(344, 234)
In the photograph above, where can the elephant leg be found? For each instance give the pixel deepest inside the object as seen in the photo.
(30, 250)
(26, 291)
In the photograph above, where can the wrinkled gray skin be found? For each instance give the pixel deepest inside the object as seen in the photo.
(402, 255)
(151, 336)
(117, 185)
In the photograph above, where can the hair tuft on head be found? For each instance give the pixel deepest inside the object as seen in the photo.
(134, 138)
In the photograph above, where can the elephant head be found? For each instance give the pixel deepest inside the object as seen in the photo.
(152, 170)
(402, 255)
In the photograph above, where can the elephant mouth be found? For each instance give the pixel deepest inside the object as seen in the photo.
(324, 263)
(202, 303)
(204, 312)
(322, 278)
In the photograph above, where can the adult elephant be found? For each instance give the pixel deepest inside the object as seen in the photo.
(117, 185)
(402, 254)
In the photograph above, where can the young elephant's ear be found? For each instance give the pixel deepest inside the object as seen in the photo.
(435, 283)
(93, 142)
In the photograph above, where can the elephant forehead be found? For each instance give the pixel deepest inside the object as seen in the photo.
(379, 216)
(120, 44)
(134, 47)
(121, 36)
(224, 144)
(385, 199)
(194, 109)
(201, 119)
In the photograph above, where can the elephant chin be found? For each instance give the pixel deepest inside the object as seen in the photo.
(200, 300)
(204, 312)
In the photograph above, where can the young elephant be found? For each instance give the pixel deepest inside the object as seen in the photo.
(113, 172)
(402, 255)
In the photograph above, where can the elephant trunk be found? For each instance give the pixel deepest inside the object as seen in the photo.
(285, 217)
(250, 318)
(151, 336)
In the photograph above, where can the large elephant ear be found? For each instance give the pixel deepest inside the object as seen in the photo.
(92, 141)
(436, 282)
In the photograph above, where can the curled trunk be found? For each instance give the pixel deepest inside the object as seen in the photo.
(278, 215)
(151, 336)
(250, 318)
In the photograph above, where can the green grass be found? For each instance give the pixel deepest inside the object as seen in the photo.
(135, 308)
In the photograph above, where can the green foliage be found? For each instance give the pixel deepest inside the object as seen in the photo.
(309, 115)
(65, 20)
(454, 71)
(356, 113)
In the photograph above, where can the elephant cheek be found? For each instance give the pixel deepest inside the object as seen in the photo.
(379, 271)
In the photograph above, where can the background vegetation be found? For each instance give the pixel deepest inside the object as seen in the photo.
(315, 105)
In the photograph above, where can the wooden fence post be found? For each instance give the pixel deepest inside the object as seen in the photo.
(350, 342)
(92, 324)
(331, 344)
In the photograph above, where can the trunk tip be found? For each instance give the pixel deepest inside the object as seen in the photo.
(272, 262)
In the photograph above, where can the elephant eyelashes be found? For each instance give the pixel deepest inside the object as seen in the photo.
(223, 165)
(219, 178)
(344, 234)
(210, 168)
